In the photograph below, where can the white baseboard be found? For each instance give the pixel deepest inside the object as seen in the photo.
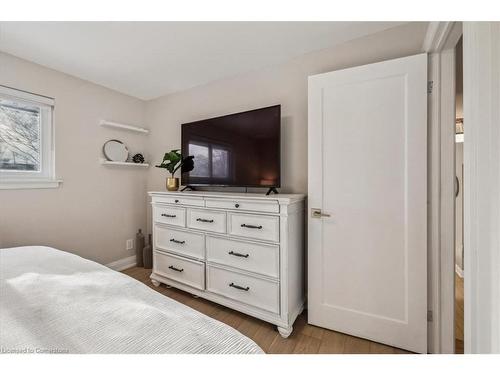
(459, 271)
(123, 264)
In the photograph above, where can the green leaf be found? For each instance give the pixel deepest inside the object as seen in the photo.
(171, 161)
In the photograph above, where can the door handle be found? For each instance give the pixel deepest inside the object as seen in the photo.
(318, 214)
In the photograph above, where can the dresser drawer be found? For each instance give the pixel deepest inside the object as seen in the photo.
(180, 269)
(254, 291)
(244, 205)
(258, 258)
(170, 215)
(260, 227)
(214, 221)
(179, 241)
(184, 201)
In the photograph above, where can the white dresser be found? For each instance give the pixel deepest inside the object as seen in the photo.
(244, 251)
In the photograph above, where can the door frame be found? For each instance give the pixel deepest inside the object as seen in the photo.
(439, 43)
(482, 184)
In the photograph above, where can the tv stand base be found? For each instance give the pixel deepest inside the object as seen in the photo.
(272, 190)
(188, 187)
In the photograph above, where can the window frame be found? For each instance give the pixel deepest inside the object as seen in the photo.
(45, 177)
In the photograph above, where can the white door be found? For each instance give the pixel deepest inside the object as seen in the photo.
(368, 173)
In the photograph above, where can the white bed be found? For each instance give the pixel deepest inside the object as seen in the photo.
(54, 301)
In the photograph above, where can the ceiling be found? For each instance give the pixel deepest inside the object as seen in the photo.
(151, 59)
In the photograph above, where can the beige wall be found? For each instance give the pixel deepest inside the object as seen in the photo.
(284, 84)
(96, 208)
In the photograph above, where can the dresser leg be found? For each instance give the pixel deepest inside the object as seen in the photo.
(285, 331)
(155, 283)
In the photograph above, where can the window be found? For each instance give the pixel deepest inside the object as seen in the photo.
(210, 160)
(202, 157)
(220, 163)
(26, 140)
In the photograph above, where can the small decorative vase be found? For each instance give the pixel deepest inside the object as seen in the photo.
(139, 247)
(147, 254)
(172, 183)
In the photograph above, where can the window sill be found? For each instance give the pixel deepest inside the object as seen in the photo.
(29, 184)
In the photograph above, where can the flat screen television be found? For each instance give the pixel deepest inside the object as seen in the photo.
(241, 149)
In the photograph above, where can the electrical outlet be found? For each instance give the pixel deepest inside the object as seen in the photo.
(130, 244)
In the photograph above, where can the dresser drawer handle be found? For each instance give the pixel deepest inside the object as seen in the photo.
(177, 241)
(176, 269)
(205, 220)
(251, 226)
(176, 201)
(238, 254)
(237, 205)
(168, 215)
(233, 285)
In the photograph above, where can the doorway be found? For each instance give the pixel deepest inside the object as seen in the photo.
(459, 201)
(480, 186)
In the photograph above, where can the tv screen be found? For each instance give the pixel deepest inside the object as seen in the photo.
(241, 149)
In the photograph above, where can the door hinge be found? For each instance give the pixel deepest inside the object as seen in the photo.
(429, 316)
(430, 86)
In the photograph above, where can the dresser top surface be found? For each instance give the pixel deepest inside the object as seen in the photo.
(231, 195)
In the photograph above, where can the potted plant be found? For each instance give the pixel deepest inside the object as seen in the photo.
(172, 161)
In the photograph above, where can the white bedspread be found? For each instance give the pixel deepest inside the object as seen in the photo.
(53, 301)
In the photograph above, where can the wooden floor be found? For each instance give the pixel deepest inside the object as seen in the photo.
(305, 339)
(459, 315)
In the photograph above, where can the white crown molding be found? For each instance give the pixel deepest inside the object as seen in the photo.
(122, 264)
(435, 38)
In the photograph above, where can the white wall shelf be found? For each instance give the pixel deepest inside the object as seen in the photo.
(117, 125)
(124, 163)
